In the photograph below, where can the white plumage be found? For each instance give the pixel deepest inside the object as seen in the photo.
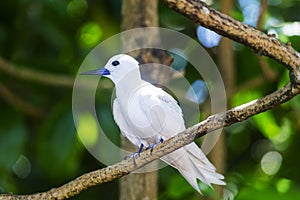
(146, 114)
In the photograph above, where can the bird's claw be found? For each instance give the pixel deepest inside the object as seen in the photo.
(161, 140)
(151, 146)
(135, 154)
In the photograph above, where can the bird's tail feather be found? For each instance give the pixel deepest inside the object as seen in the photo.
(191, 162)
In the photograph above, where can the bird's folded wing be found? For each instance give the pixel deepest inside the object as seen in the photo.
(163, 112)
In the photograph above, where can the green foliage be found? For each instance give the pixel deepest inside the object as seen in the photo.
(178, 188)
(90, 35)
(13, 138)
(58, 150)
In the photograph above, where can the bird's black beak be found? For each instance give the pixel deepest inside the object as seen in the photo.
(100, 72)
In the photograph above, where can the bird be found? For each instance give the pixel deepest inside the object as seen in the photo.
(147, 115)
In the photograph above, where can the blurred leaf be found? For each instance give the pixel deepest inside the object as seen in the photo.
(77, 8)
(267, 124)
(266, 121)
(13, 137)
(108, 124)
(90, 35)
(87, 130)
(284, 79)
(252, 193)
(173, 20)
(58, 148)
(244, 97)
(206, 189)
(267, 193)
(283, 185)
(178, 188)
(239, 141)
(296, 103)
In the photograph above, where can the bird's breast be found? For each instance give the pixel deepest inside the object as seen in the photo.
(137, 114)
(141, 125)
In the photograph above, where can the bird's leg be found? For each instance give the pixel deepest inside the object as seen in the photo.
(161, 140)
(151, 146)
(135, 154)
(140, 149)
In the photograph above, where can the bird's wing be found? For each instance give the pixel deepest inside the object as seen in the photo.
(123, 125)
(162, 111)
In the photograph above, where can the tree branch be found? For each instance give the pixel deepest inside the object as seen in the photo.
(34, 75)
(259, 42)
(18, 102)
(214, 122)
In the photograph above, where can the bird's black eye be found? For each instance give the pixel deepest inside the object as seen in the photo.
(115, 63)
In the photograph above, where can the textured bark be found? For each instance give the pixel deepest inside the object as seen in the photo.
(139, 13)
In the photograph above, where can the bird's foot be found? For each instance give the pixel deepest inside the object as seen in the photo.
(161, 140)
(151, 146)
(135, 154)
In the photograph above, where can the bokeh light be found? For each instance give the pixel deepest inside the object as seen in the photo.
(22, 167)
(197, 92)
(90, 35)
(271, 162)
(87, 129)
(207, 37)
(283, 185)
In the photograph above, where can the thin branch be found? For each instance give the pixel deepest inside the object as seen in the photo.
(18, 102)
(268, 73)
(34, 75)
(44, 78)
(124, 167)
(253, 83)
(259, 42)
(262, 10)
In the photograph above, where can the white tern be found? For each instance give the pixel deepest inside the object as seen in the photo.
(147, 115)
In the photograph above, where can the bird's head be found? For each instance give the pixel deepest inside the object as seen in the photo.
(117, 67)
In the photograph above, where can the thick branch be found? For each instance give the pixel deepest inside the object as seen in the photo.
(259, 42)
(122, 168)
